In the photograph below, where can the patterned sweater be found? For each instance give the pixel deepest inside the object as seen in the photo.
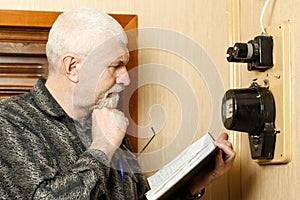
(43, 155)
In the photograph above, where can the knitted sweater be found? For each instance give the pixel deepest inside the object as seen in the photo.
(44, 155)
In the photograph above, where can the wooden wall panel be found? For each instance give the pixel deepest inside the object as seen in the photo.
(272, 182)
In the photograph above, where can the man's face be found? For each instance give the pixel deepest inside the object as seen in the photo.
(102, 76)
(113, 81)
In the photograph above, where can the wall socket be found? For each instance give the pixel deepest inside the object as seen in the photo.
(279, 80)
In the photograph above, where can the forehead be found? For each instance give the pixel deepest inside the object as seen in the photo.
(105, 54)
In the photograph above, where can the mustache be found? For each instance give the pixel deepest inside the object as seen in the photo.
(110, 102)
(119, 87)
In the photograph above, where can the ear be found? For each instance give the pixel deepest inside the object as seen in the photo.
(71, 67)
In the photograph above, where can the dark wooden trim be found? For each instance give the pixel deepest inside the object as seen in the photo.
(44, 19)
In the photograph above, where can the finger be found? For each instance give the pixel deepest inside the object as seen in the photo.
(222, 136)
(100, 111)
(224, 147)
(120, 120)
(228, 151)
(227, 143)
(219, 157)
(223, 139)
(118, 112)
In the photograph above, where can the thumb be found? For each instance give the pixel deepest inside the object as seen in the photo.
(120, 120)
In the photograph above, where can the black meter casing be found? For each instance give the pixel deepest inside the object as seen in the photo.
(252, 110)
(258, 53)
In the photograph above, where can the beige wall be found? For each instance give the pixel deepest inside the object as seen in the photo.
(212, 25)
(282, 181)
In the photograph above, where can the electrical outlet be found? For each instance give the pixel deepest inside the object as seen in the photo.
(279, 80)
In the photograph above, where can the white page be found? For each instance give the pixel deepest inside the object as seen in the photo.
(174, 171)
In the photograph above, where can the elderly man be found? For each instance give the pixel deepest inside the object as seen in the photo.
(61, 140)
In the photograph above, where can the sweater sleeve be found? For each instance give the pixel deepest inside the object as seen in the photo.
(79, 181)
(28, 172)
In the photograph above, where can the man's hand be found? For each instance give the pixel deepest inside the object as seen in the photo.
(224, 158)
(108, 130)
(223, 162)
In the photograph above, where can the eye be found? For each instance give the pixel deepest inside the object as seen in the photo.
(113, 68)
(119, 65)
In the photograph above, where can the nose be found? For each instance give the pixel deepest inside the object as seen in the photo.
(123, 77)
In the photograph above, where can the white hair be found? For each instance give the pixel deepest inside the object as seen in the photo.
(79, 31)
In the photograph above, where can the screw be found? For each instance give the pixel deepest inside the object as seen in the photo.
(266, 82)
(277, 76)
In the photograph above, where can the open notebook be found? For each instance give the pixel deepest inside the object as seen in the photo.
(182, 168)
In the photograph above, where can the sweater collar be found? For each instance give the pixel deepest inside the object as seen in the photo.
(45, 100)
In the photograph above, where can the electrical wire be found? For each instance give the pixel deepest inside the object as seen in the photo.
(262, 16)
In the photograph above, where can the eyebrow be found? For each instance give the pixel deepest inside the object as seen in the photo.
(119, 63)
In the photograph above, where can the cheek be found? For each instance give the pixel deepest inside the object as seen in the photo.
(104, 85)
